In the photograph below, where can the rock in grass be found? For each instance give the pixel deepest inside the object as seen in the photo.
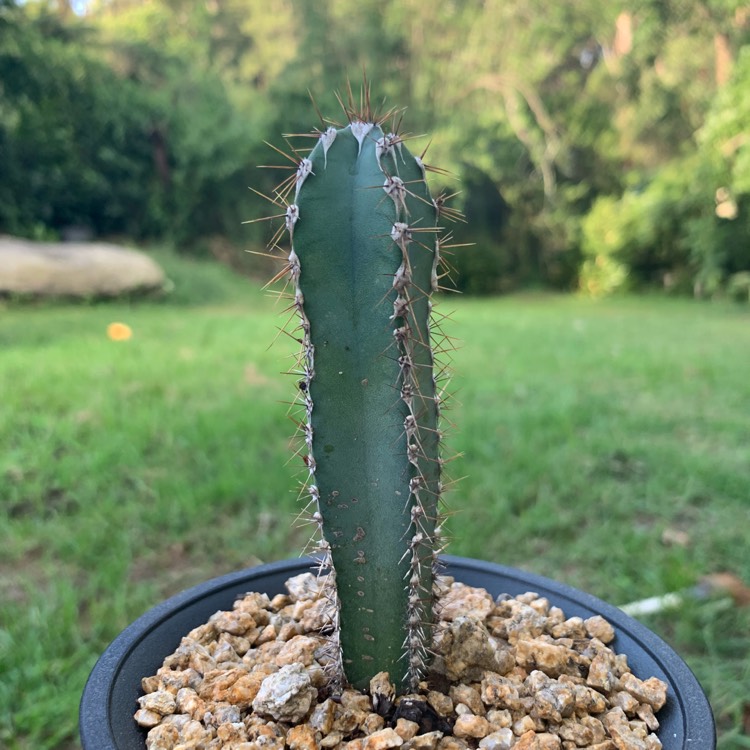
(74, 269)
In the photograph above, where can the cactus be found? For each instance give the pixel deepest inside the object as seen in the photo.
(364, 263)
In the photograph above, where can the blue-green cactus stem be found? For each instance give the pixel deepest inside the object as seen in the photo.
(363, 262)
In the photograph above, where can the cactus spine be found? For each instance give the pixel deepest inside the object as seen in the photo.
(364, 263)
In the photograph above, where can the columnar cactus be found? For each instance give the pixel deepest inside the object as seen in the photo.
(364, 264)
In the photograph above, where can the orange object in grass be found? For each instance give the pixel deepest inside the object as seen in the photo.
(119, 331)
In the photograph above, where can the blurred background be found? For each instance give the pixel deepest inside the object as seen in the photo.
(597, 145)
(601, 155)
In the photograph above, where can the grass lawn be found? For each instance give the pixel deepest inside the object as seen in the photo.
(130, 470)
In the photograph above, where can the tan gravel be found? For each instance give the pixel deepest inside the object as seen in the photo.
(519, 676)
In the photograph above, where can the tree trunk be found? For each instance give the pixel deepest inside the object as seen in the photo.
(722, 58)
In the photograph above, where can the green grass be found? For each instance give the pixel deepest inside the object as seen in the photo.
(131, 470)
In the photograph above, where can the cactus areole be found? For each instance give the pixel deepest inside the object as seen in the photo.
(364, 263)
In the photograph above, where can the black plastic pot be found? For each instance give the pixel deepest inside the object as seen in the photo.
(109, 699)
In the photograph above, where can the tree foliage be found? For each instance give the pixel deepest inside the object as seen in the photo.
(599, 145)
(124, 136)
